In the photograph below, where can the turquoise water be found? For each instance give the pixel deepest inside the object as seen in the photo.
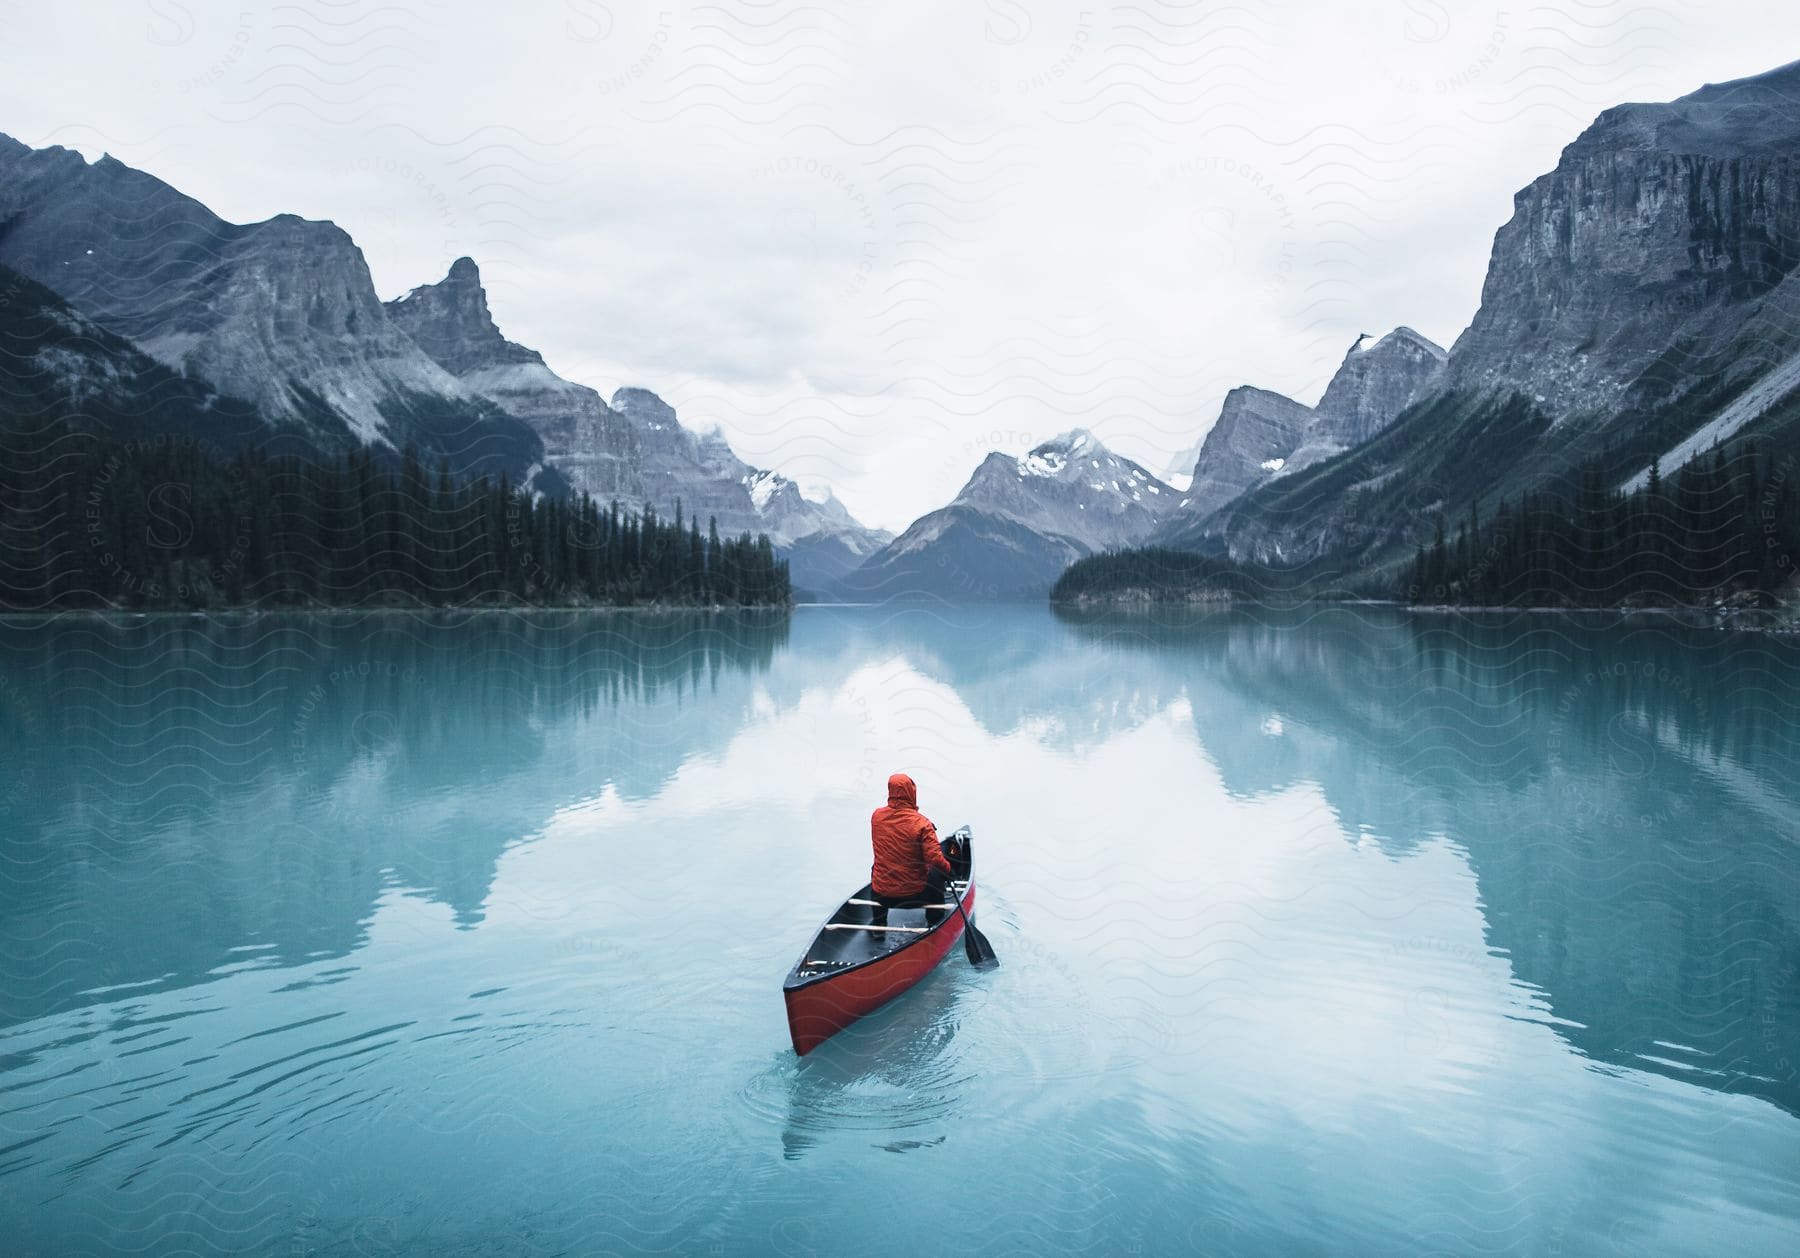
(1320, 933)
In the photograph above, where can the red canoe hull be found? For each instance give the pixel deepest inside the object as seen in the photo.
(820, 1008)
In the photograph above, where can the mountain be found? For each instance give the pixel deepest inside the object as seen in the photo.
(633, 450)
(1664, 228)
(1250, 441)
(59, 367)
(592, 446)
(1377, 381)
(1261, 436)
(125, 484)
(1641, 305)
(820, 539)
(1017, 523)
(281, 313)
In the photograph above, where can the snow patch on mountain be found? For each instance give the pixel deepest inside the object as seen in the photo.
(633, 449)
(762, 487)
(1756, 401)
(1018, 521)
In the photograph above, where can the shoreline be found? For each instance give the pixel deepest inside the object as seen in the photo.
(1772, 620)
(1756, 619)
(126, 614)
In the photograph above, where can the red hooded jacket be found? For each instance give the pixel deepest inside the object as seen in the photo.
(906, 844)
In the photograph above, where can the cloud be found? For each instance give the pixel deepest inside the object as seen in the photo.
(868, 241)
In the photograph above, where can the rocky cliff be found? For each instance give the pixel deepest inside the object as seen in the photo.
(1261, 436)
(281, 312)
(1378, 379)
(593, 447)
(1661, 228)
(1642, 304)
(60, 368)
(634, 450)
(1250, 441)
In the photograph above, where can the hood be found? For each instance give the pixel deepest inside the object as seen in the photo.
(901, 792)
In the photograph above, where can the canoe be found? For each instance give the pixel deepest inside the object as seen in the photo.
(853, 967)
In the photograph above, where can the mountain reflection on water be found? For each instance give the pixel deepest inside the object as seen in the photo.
(301, 764)
(1625, 796)
(1321, 930)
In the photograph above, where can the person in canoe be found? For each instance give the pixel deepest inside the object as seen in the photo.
(910, 869)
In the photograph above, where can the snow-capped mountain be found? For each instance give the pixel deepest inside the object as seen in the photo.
(634, 450)
(1017, 523)
(281, 313)
(1071, 485)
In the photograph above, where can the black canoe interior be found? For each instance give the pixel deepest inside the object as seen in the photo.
(834, 951)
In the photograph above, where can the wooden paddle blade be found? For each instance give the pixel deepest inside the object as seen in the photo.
(980, 951)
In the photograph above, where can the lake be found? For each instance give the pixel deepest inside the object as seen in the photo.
(1325, 931)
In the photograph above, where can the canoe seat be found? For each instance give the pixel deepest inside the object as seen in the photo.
(875, 904)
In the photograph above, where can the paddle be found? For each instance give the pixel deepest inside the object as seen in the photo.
(975, 944)
(980, 952)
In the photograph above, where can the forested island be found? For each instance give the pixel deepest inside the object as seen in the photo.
(1154, 576)
(88, 520)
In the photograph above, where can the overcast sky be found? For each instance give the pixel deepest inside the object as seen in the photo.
(874, 239)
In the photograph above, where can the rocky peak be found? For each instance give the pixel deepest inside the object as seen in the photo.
(1639, 303)
(1257, 430)
(119, 245)
(1378, 379)
(1753, 117)
(451, 322)
(1249, 405)
(281, 313)
(1018, 522)
(1262, 436)
(1661, 226)
(1073, 485)
(789, 511)
(635, 451)
(643, 407)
